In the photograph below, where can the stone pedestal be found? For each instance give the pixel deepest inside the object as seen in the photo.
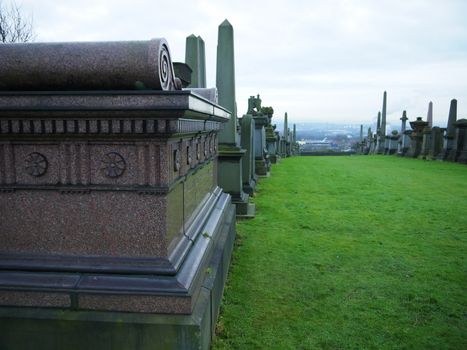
(387, 141)
(426, 143)
(405, 143)
(101, 190)
(393, 142)
(416, 137)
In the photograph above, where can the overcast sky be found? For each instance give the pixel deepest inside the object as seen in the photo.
(318, 60)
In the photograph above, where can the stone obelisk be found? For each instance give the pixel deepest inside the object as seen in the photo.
(382, 133)
(230, 152)
(285, 136)
(450, 135)
(378, 131)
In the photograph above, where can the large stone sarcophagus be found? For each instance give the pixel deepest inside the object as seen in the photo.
(109, 203)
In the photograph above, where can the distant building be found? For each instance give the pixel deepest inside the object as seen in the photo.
(316, 145)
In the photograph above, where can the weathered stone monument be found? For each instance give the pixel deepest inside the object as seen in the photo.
(436, 145)
(393, 141)
(427, 134)
(115, 233)
(429, 115)
(459, 149)
(285, 138)
(195, 58)
(230, 172)
(249, 177)
(271, 138)
(262, 164)
(449, 137)
(416, 137)
(377, 134)
(382, 129)
(404, 140)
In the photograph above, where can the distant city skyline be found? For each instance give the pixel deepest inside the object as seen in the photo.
(316, 60)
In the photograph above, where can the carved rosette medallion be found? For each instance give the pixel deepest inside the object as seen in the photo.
(113, 164)
(36, 164)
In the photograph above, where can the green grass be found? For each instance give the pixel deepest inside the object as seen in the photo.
(361, 252)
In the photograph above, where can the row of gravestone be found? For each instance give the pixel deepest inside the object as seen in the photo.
(423, 141)
(119, 192)
(247, 145)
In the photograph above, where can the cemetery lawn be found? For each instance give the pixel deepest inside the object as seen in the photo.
(361, 252)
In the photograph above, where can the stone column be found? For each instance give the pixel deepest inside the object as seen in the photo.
(383, 115)
(450, 132)
(294, 140)
(230, 172)
(367, 146)
(378, 131)
(404, 139)
(429, 116)
(382, 133)
(284, 139)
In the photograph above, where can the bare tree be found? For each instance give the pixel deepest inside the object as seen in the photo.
(14, 25)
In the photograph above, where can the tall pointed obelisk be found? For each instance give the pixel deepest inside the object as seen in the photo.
(450, 135)
(230, 153)
(378, 131)
(285, 137)
(382, 133)
(383, 115)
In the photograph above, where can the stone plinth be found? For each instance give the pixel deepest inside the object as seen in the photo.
(109, 202)
(426, 142)
(416, 137)
(393, 142)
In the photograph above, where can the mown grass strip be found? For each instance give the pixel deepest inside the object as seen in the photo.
(351, 253)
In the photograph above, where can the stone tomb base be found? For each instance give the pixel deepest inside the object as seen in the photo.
(60, 328)
(115, 234)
